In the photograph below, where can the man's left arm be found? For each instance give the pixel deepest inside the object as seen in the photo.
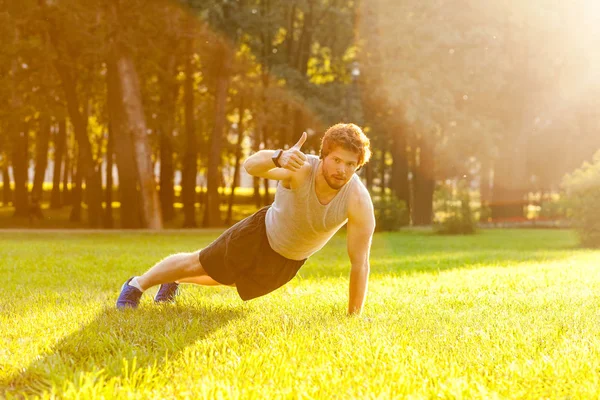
(361, 224)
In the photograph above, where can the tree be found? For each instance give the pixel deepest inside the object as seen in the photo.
(129, 197)
(64, 64)
(237, 159)
(190, 162)
(60, 142)
(128, 88)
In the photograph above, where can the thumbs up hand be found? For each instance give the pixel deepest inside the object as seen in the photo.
(293, 159)
(300, 142)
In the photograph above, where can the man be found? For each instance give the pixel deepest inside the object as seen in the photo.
(315, 197)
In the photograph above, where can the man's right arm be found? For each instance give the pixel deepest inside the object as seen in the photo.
(261, 163)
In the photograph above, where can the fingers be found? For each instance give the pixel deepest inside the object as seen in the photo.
(292, 167)
(297, 154)
(300, 142)
(293, 159)
(294, 164)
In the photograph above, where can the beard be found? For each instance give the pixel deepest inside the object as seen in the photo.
(335, 182)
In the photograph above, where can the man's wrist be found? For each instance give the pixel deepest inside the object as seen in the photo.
(276, 156)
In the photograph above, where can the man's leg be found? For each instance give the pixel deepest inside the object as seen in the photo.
(174, 268)
(171, 269)
(168, 291)
(204, 280)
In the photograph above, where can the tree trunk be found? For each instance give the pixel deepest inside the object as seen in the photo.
(485, 190)
(373, 101)
(108, 212)
(6, 189)
(256, 143)
(169, 88)
(238, 155)
(256, 194)
(382, 183)
(19, 148)
(190, 165)
(86, 163)
(301, 64)
(129, 211)
(510, 186)
(305, 43)
(64, 67)
(286, 128)
(76, 191)
(266, 134)
(267, 196)
(60, 141)
(424, 184)
(298, 124)
(290, 34)
(167, 172)
(135, 125)
(67, 178)
(369, 176)
(399, 180)
(20, 161)
(41, 160)
(212, 214)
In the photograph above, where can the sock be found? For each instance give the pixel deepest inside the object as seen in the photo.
(134, 282)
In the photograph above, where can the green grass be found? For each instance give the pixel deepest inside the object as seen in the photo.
(503, 314)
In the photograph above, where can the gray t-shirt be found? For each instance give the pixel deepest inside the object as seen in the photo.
(298, 225)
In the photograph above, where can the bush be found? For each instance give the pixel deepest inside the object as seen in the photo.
(390, 213)
(458, 218)
(485, 212)
(554, 208)
(583, 190)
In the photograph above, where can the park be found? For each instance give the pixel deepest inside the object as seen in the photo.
(134, 131)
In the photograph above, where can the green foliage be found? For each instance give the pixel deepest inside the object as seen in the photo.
(485, 213)
(583, 187)
(294, 71)
(390, 213)
(555, 207)
(457, 215)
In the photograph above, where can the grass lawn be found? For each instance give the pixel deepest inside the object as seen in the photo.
(503, 314)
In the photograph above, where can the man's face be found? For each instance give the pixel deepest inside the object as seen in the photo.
(338, 167)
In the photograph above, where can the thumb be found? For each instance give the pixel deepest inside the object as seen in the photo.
(301, 141)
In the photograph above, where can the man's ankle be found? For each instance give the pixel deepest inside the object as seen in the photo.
(136, 284)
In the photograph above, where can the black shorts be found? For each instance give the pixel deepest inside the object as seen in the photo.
(242, 256)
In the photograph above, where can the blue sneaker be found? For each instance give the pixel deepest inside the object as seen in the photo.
(129, 297)
(167, 293)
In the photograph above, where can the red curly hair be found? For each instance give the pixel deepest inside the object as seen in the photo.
(349, 137)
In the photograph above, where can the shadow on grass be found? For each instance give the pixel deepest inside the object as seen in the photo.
(428, 263)
(109, 344)
(417, 252)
